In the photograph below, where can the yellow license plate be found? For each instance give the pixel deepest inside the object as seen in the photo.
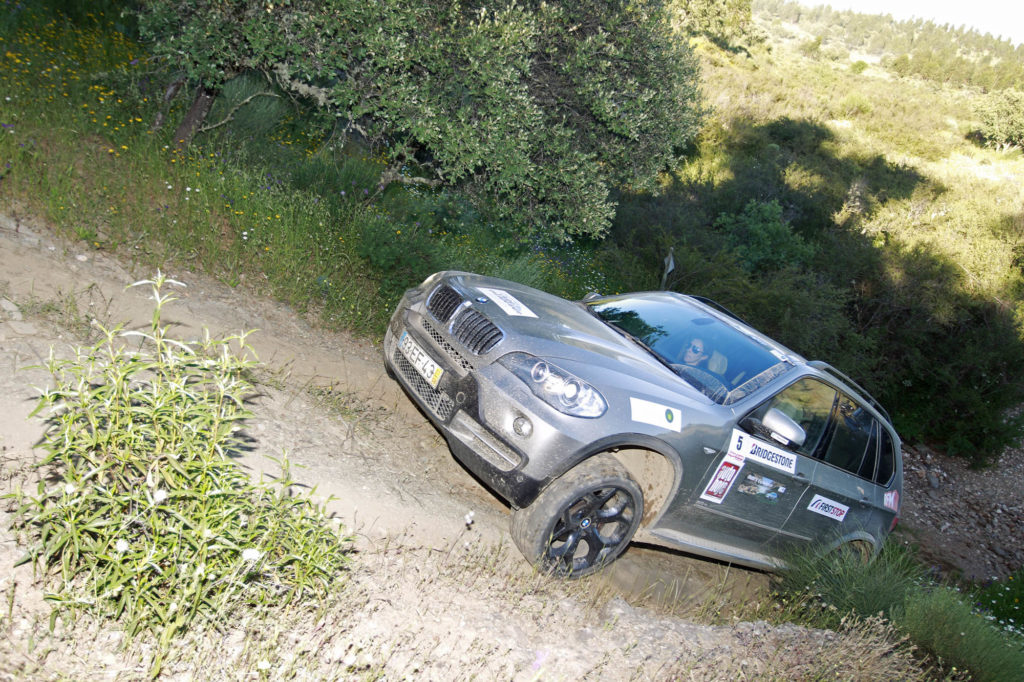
(418, 358)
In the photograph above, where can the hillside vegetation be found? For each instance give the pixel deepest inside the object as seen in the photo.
(857, 212)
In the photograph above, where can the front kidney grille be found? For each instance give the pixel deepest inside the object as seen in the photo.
(444, 302)
(476, 332)
(443, 344)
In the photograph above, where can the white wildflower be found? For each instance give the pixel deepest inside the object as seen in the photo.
(264, 664)
(121, 546)
(69, 489)
(251, 555)
(159, 496)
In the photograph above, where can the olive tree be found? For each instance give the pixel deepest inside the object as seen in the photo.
(542, 107)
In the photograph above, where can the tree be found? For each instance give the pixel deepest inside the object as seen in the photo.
(1002, 118)
(542, 107)
(726, 22)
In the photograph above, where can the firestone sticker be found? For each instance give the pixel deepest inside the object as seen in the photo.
(507, 302)
(748, 447)
(646, 412)
(892, 500)
(727, 474)
(830, 508)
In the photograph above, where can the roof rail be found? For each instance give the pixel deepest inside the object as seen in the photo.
(825, 367)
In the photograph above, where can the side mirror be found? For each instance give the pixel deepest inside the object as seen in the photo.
(783, 429)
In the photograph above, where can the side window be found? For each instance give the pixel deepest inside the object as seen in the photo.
(886, 459)
(809, 403)
(854, 438)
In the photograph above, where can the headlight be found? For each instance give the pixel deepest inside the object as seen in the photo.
(560, 389)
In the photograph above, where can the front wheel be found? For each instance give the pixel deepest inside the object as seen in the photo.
(581, 522)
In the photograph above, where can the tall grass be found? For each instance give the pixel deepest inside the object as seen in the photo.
(825, 589)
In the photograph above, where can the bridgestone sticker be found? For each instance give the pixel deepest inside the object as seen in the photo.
(830, 508)
(646, 412)
(720, 484)
(507, 302)
(748, 447)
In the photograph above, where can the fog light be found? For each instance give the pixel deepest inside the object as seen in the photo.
(522, 427)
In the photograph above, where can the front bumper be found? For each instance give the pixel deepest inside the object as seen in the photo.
(457, 409)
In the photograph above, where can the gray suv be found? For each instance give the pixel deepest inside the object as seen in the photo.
(650, 416)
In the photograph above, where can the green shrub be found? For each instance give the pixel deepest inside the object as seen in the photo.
(1002, 118)
(141, 515)
(761, 239)
(942, 624)
(1003, 602)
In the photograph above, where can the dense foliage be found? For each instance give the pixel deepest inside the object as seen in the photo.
(959, 56)
(1002, 118)
(850, 215)
(540, 108)
(728, 23)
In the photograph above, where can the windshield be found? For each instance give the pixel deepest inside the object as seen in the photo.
(724, 361)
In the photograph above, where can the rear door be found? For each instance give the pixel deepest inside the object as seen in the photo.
(756, 483)
(843, 496)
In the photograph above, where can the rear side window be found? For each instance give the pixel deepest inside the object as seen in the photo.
(886, 459)
(855, 439)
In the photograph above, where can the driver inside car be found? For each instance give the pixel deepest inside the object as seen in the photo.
(696, 353)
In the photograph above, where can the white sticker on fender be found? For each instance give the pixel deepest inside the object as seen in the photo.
(748, 447)
(830, 508)
(646, 412)
(507, 302)
(720, 484)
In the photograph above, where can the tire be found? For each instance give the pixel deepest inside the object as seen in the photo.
(857, 551)
(582, 521)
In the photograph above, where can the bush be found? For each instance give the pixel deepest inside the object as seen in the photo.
(761, 239)
(1003, 602)
(1002, 118)
(141, 515)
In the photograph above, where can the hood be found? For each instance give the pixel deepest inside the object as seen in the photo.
(542, 324)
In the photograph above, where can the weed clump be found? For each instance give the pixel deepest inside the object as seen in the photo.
(140, 514)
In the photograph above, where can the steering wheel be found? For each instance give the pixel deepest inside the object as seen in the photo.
(706, 382)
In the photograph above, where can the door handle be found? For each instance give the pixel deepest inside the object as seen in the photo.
(800, 476)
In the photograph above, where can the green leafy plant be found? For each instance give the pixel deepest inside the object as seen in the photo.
(762, 239)
(1003, 603)
(141, 515)
(1002, 118)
